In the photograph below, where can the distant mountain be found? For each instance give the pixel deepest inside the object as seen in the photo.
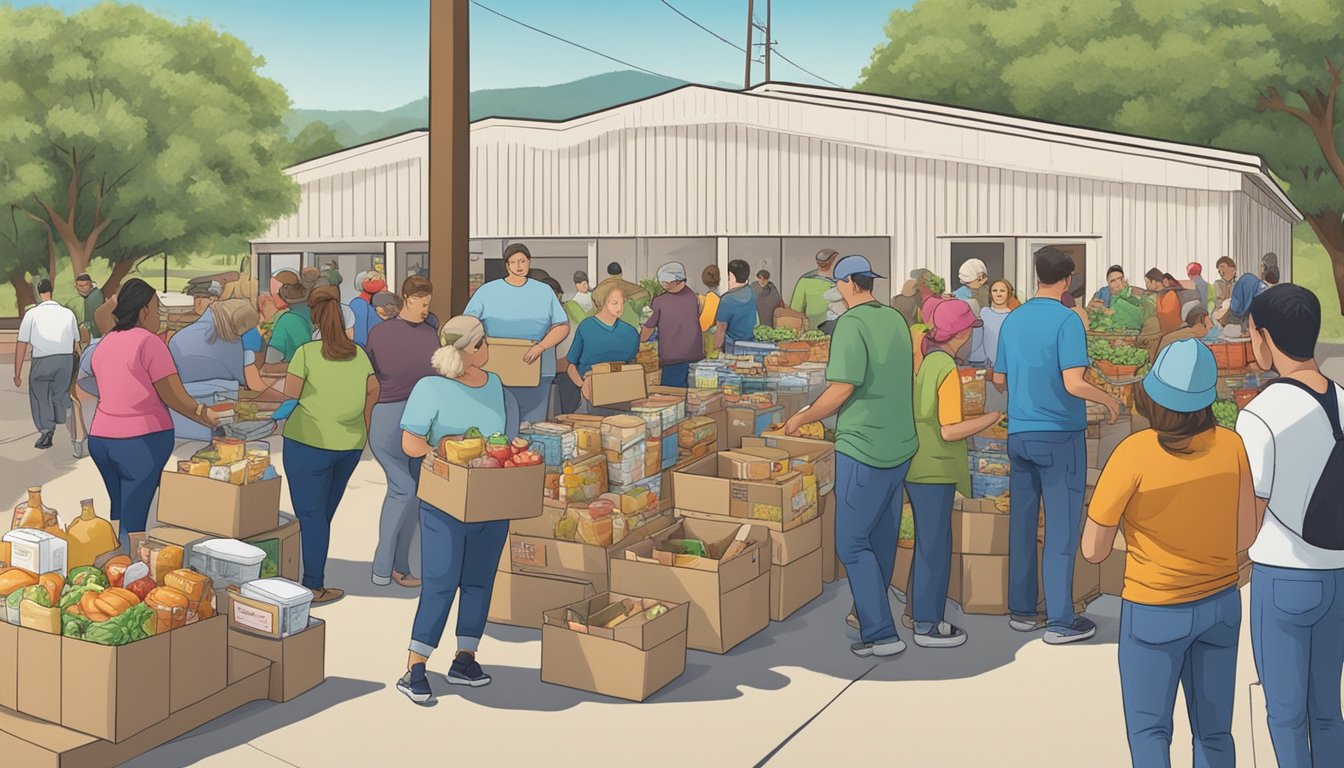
(551, 102)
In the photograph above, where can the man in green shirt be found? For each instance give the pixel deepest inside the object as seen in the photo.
(871, 385)
(87, 301)
(809, 293)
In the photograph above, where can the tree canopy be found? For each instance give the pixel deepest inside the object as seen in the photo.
(1256, 76)
(129, 135)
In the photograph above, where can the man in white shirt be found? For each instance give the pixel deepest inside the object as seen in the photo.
(1297, 582)
(582, 296)
(52, 331)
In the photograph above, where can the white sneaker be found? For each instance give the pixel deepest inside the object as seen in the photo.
(881, 648)
(943, 636)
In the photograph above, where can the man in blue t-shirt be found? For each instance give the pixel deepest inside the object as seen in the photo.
(736, 317)
(1042, 357)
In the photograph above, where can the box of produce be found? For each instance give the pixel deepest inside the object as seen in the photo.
(615, 645)
(809, 455)
(773, 335)
(575, 543)
(490, 486)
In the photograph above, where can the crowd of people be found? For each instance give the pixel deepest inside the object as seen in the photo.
(1189, 495)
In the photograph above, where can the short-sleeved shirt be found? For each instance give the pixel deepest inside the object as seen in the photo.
(870, 349)
(1288, 439)
(439, 407)
(676, 317)
(993, 325)
(1038, 342)
(596, 342)
(200, 355)
(527, 311)
(937, 405)
(50, 329)
(809, 297)
(253, 345)
(347, 322)
(401, 354)
(126, 365)
(1178, 513)
(737, 308)
(292, 329)
(366, 317)
(330, 412)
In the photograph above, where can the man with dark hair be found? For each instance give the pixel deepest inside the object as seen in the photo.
(1271, 276)
(52, 332)
(1042, 358)
(736, 317)
(1291, 434)
(1246, 288)
(1116, 285)
(613, 269)
(582, 296)
(87, 301)
(767, 298)
(870, 384)
(1198, 325)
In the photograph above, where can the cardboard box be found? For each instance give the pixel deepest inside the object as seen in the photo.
(116, 692)
(1111, 573)
(481, 495)
(298, 662)
(36, 744)
(984, 584)
(758, 464)
(198, 662)
(9, 665)
(631, 661)
(217, 507)
(820, 454)
(281, 545)
(720, 418)
(39, 674)
(794, 585)
(730, 600)
(519, 600)
(533, 550)
(749, 422)
(506, 360)
(703, 487)
(979, 533)
(829, 563)
(614, 383)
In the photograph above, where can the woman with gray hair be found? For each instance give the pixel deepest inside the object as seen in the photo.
(457, 558)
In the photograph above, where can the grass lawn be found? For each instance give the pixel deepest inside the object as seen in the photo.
(1311, 269)
(150, 271)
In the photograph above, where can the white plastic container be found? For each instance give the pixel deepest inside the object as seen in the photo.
(37, 551)
(292, 599)
(228, 561)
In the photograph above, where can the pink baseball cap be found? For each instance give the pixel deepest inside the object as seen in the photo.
(930, 304)
(950, 318)
(1194, 268)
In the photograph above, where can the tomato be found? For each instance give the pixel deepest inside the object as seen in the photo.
(499, 452)
(509, 464)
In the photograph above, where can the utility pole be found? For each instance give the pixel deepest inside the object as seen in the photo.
(769, 41)
(449, 158)
(751, 27)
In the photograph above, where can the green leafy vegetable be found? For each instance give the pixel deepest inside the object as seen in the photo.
(1225, 412)
(72, 594)
(936, 284)
(770, 333)
(132, 625)
(87, 574)
(74, 625)
(813, 336)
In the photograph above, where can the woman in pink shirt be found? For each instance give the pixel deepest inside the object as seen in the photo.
(131, 438)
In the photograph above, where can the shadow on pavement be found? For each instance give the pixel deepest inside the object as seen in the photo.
(250, 722)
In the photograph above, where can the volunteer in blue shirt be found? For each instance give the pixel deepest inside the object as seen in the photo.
(458, 559)
(216, 355)
(1042, 357)
(1116, 284)
(517, 307)
(736, 316)
(602, 338)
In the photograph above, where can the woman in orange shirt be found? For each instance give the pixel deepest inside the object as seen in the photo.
(1183, 492)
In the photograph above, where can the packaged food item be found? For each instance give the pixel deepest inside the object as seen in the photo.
(89, 536)
(191, 583)
(37, 550)
(230, 450)
(292, 600)
(555, 442)
(170, 608)
(594, 524)
(583, 479)
(227, 561)
(461, 452)
(697, 430)
(13, 579)
(43, 618)
(54, 583)
(33, 513)
(115, 569)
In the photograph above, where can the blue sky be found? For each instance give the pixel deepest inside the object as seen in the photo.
(346, 54)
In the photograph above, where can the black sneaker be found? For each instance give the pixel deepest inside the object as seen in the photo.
(44, 440)
(465, 671)
(415, 685)
(1083, 629)
(944, 635)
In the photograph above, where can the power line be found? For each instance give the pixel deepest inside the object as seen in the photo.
(571, 42)
(702, 26)
(798, 66)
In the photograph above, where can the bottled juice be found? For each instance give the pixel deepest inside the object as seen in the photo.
(89, 536)
(33, 513)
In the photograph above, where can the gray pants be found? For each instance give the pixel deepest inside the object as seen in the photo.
(49, 390)
(401, 509)
(531, 403)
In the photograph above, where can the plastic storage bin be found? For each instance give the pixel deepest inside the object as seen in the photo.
(292, 599)
(228, 561)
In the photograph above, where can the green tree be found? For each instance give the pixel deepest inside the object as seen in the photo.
(315, 140)
(1255, 76)
(130, 135)
(26, 248)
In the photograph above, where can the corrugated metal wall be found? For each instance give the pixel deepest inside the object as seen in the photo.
(384, 201)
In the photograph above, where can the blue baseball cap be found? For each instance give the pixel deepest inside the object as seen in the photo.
(852, 265)
(1184, 377)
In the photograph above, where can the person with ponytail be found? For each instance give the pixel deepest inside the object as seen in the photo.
(1184, 492)
(335, 388)
(457, 558)
(131, 438)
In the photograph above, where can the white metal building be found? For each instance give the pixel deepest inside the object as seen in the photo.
(773, 174)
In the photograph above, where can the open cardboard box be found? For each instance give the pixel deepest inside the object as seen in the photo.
(614, 383)
(533, 549)
(217, 507)
(298, 661)
(819, 453)
(506, 361)
(730, 599)
(281, 545)
(703, 486)
(520, 599)
(479, 495)
(631, 660)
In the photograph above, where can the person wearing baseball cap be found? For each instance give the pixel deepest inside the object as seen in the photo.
(675, 318)
(870, 380)
(583, 296)
(1042, 358)
(939, 469)
(808, 292)
(1184, 491)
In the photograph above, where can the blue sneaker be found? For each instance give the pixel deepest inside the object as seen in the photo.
(1083, 629)
(465, 671)
(416, 685)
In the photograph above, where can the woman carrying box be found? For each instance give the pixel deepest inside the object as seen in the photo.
(336, 389)
(1183, 491)
(456, 557)
(602, 338)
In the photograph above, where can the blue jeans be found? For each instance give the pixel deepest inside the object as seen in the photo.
(456, 557)
(396, 525)
(1049, 466)
(1297, 638)
(867, 521)
(130, 467)
(932, 565)
(317, 480)
(676, 374)
(1194, 644)
(530, 403)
